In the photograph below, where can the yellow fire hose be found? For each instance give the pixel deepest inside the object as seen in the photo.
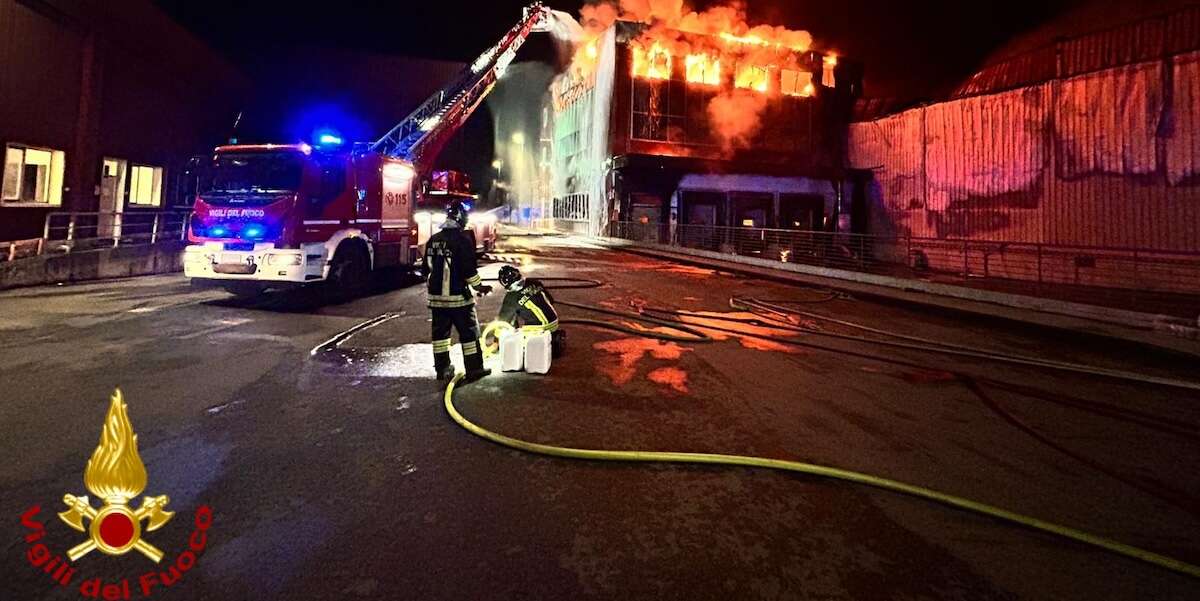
(789, 466)
(814, 470)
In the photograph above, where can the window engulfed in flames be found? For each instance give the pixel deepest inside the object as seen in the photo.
(703, 69)
(753, 77)
(652, 63)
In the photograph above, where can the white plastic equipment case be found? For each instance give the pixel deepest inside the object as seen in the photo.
(537, 353)
(512, 351)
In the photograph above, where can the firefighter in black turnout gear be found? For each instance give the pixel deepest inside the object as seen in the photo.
(453, 272)
(530, 306)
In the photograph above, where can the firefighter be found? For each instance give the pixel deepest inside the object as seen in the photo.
(530, 306)
(453, 273)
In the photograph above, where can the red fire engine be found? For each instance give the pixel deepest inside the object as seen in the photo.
(275, 215)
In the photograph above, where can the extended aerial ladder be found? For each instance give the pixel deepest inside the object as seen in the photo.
(421, 135)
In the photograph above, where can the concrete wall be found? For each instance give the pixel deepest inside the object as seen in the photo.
(107, 79)
(120, 262)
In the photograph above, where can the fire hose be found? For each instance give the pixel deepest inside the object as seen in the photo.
(810, 468)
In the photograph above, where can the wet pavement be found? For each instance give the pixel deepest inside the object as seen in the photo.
(337, 474)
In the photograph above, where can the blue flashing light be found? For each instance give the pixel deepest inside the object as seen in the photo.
(329, 140)
(218, 231)
(253, 230)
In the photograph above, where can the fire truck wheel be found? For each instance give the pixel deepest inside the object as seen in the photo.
(350, 273)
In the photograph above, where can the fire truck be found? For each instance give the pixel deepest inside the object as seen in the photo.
(281, 215)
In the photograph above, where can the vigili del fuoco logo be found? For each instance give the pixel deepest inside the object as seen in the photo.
(115, 475)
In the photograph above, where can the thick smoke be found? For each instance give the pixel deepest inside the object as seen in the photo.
(736, 116)
(725, 38)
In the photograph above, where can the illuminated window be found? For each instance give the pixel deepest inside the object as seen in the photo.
(702, 68)
(796, 83)
(33, 175)
(652, 63)
(752, 77)
(145, 185)
(827, 77)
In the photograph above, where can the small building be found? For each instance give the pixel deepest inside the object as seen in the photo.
(701, 131)
(101, 107)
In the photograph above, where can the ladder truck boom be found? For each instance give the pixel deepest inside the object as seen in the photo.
(279, 215)
(421, 135)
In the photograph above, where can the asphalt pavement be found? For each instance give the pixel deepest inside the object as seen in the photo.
(338, 475)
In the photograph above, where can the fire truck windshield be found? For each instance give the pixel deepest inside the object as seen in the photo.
(251, 173)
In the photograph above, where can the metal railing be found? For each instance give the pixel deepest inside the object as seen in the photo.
(65, 232)
(1140, 279)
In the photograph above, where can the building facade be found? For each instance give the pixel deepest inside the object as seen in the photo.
(101, 107)
(640, 135)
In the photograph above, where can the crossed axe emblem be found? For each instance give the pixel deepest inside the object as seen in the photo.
(115, 528)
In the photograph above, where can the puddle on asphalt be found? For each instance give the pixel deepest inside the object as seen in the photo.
(414, 361)
(630, 351)
(673, 377)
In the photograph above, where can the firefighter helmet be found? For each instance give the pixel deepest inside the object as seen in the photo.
(509, 277)
(456, 212)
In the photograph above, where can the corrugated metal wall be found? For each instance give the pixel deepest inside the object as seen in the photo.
(1108, 158)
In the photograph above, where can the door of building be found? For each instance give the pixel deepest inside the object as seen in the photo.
(112, 198)
(701, 216)
(645, 211)
(752, 212)
(802, 212)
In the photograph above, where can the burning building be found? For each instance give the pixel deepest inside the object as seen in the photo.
(697, 118)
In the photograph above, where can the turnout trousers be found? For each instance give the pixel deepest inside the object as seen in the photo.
(464, 320)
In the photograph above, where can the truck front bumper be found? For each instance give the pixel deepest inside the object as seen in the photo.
(265, 263)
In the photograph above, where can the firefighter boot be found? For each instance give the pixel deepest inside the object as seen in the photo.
(473, 361)
(441, 359)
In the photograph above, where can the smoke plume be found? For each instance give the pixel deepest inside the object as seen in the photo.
(711, 41)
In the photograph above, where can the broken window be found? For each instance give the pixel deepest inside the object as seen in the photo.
(796, 83)
(753, 77)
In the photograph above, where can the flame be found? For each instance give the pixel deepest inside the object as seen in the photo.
(652, 63)
(703, 69)
(706, 41)
(796, 83)
(752, 40)
(115, 472)
(752, 77)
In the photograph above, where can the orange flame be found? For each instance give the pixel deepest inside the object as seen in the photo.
(652, 63)
(707, 41)
(703, 69)
(796, 83)
(753, 77)
(116, 472)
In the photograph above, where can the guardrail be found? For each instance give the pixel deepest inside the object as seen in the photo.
(66, 232)
(1144, 279)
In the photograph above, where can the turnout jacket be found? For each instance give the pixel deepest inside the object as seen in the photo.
(531, 307)
(450, 263)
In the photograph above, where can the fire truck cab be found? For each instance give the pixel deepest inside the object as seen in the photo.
(444, 188)
(271, 216)
(275, 215)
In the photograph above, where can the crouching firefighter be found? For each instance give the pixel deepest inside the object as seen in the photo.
(528, 305)
(453, 272)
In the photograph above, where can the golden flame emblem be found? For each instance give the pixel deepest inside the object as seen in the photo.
(116, 474)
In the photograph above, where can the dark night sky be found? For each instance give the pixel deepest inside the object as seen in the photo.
(307, 59)
(911, 49)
